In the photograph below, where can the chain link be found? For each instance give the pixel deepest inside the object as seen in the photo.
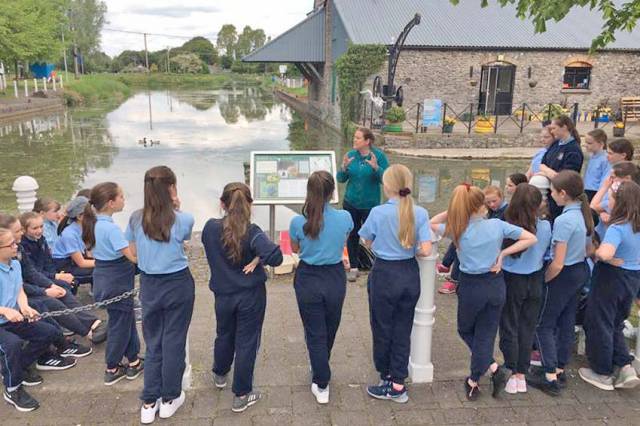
(90, 307)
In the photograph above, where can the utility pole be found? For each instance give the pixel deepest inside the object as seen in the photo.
(146, 52)
(168, 59)
(64, 54)
(75, 61)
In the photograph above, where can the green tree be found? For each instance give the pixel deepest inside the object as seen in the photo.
(249, 40)
(86, 19)
(617, 16)
(97, 62)
(227, 38)
(187, 63)
(30, 30)
(201, 47)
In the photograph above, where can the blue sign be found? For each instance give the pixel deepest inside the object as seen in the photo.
(432, 112)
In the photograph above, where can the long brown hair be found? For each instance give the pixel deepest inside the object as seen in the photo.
(523, 210)
(566, 121)
(43, 205)
(236, 198)
(320, 187)
(158, 213)
(626, 207)
(627, 169)
(398, 179)
(622, 146)
(465, 201)
(571, 182)
(99, 196)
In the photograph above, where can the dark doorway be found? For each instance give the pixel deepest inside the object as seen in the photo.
(496, 89)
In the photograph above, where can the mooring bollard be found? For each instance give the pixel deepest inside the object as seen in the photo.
(25, 188)
(53, 81)
(61, 83)
(26, 89)
(35, 84)
(44, 83)
(186, 376)
(15, 88)
(420, 365)
(636, 361)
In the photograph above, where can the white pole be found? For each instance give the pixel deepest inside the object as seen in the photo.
(15, 88)
(44, 83)
(186, 376)
(636, 361)
(55, 89)
(61, 83)
(26, 89)
(25, 188)
(420, 365)
(35, 84)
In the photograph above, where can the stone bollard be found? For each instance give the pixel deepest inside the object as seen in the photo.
(53, 81)
(61, 83)
(25, 188)
(44, 83)
(35, 84)
(186, 376)
(636, 361)
(420, 365)
(15, 88)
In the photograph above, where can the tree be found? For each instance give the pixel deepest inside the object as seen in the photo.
(201, 47)
(188, 63)
(617, 16)
(227, 38)
(249, 40)
(86, 18)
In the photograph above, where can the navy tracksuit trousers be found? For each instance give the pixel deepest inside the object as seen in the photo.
(239, 319)
(519, 318)
(320, 292)
(480, 301)
(79, 323)
(167, 306)
(394, 290)
(359, 217)
(608, 305)
(555, 334)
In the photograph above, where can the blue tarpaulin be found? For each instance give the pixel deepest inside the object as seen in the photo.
(41, 70)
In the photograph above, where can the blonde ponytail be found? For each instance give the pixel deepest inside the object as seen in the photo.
(398, 179)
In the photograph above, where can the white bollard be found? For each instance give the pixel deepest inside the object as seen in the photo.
(26, 89)
(15, 88)
(25, 188)
(420, 365)
(636, 361)
(53, 80)
(44, 83)
(61, 83)
(35, 84)
(186, 376)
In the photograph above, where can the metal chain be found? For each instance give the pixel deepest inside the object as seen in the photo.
(90, 307)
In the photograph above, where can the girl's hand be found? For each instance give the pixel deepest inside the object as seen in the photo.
(64, 276)
(346, 263)
(604, 216)
(497, 267)
(12, 315)
(176, 202)
(29, 313)
(250, 267)
(616, 262)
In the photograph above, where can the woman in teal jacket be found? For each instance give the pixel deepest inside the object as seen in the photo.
(362, 169)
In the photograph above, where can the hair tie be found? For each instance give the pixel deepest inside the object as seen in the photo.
(404, 192)
(466, 185)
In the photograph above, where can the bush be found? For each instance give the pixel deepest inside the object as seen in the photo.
(187, 63)
(395, 115)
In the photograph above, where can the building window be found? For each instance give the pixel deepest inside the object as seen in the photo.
(577, 75)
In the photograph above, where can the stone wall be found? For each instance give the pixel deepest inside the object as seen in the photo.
(455, 141)
(444, 74)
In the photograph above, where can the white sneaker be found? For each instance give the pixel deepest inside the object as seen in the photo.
(148, 415)
(168, 409)
(522, 385)
(322, 395)
(512, 385)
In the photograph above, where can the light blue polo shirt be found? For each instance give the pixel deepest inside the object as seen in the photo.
(537, 160)
(109, 239)
(327, 248)
(10, 285)
(598, 169)
(533, 258)
(382, 226)
(159, 257)
(627, 244)
(569, 228)
(601, 227)
(69, 242)
(50, 232)
(481, 243)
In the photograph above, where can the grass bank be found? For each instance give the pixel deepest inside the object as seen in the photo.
(96, 88)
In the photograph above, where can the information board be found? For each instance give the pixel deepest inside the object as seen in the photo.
(280, 177)
(432, 112)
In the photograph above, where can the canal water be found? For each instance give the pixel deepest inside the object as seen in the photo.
(205, 136)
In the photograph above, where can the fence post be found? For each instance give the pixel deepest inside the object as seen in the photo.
(364, 114)
(371, 115)
(444, 116)
(495, 125)
(575, 112)
(522, 118)
(470, 118)
(25, 188)
(549, 118)
(417, 116)
(595, 122)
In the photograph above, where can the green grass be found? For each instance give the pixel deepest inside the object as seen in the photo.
(299, 92)
(95, 88)
(204, 81)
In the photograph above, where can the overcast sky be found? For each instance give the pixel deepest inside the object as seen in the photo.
(190, 18)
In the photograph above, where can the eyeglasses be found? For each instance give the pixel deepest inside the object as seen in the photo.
(11, 244)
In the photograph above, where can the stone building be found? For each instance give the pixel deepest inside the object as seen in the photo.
(465, 55)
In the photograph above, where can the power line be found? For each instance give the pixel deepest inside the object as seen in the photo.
(116, 30)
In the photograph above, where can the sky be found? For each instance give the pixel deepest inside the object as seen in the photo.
(190, 18)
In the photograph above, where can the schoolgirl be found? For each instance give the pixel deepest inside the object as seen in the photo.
(231, 244)
(156, 234)
(69, 252)
(598, 167)
(546, 139)
(319, 235)
(481, 290)
(564, 277)
(494, 200)
(397, 231)
(616, 281)
(524, 277)
(49, 209)
(113, 275)
(513, 180)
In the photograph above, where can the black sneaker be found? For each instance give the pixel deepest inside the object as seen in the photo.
(75, 350)
(52, 362)
(539, 381)
(472, 392)
(31, 378)
(99, 334)
(112, 377)
(499, 380)
(20, 399)
(562, 379)
(134, 372)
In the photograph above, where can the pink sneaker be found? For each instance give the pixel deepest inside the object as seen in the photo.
(442, 269)
(512, 385)
(521, 385)
(448, 287)
(536, 359)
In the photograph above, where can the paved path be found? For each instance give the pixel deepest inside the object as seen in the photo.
(77, 396)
